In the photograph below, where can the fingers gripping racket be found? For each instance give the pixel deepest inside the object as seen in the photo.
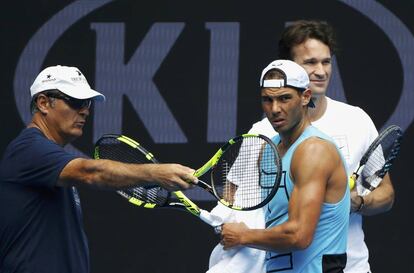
(377, 160)
(245, 174)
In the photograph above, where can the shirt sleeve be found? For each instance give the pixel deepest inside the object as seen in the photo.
(34, 161)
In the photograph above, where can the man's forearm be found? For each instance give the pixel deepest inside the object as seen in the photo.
(380, 200)
(107, 174)
(285, 237)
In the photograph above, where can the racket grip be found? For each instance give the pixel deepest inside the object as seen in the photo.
(370, 185)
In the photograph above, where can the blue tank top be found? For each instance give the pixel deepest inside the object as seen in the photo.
(328, 247)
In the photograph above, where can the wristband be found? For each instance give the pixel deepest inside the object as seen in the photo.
(362, 205)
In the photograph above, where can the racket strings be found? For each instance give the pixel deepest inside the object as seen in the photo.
(226, 191)
(380, 160)
(148, 195)
(113, 149)
(246, 173)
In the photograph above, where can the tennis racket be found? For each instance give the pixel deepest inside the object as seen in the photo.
(245, 174)
(377, 160)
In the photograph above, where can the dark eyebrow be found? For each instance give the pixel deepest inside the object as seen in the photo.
(316, 60)
(277, 96)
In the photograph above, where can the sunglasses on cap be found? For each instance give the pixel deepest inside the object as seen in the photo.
(73, 103)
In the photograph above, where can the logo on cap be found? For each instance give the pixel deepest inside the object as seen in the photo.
(49, 78)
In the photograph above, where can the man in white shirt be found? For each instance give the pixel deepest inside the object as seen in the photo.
(311, 44)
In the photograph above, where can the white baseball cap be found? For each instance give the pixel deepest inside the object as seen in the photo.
(67, 79)
(294, 76)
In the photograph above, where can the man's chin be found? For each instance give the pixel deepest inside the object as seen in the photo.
(318, 90)
(77, 132)
(278, 129)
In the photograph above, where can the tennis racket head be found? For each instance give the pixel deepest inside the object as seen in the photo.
(380, 156)
(124, 149)
(246, 172)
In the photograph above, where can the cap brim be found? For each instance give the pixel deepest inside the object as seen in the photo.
(83, 94)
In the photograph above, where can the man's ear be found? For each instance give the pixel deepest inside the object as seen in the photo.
(306, 97)
(43, 104)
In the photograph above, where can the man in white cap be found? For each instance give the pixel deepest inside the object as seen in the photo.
(40, 216)
(307, 220)
(312, 45)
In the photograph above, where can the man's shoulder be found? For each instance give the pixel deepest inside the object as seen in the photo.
(29, 133)
(313, 138)
(313, 147)
(339, 105)
(32, 159)
(31, 142)
(316, 132)
(315, 135)
(28, 137)
(347, 112)
(314, 142)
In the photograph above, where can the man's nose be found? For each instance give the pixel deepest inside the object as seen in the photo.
(275, 107)
(319, 70)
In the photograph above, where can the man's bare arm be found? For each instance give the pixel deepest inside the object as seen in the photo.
(116, 175)
(311, 177)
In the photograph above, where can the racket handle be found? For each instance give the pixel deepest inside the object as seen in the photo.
(371, 184)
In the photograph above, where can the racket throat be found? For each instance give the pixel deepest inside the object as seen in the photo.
(205, 186)
(187, 203)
